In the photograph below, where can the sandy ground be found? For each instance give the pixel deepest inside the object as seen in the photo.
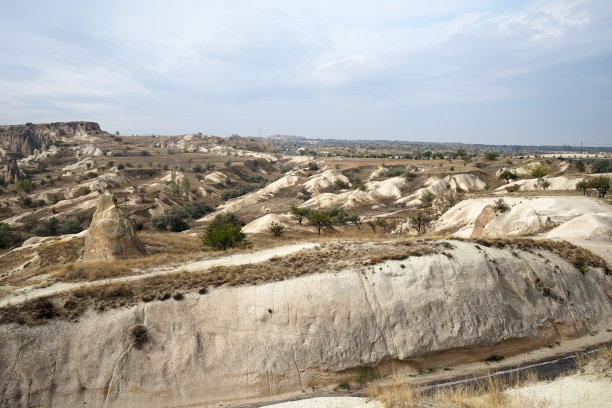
(576, 391)
(29, 293)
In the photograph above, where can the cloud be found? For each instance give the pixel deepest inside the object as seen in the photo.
(321, 69)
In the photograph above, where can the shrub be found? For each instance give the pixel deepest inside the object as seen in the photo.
(139, 335)
(120, 166)
(7, 238)
(313, 166)
(579, 166)
(238, 191)
(276, 228)
(284, 168)
(491, 156)
(512, 189)
(71, 226)
(26, 185)
(501, 205)
(338, 216)
(582, 185)
(539, 171)
(159, 222)
(223, 235)
(601, 166)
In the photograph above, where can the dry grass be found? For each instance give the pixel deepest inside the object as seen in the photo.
(481, 393)
(579, 257)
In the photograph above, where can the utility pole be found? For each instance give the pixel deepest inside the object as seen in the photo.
(581, 147)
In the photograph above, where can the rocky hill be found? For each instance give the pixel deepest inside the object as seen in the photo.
(28, 139)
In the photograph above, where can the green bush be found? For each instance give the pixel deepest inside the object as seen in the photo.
(71, 226)
(223, 235)
(601, 166)
(7, 238)
(26, 185)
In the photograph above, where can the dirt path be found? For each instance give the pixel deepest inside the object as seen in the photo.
(30, 292)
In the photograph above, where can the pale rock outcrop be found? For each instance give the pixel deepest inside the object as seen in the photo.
(257, 341)
(526, 215)
(324, 180)
(111, 235)
(255, 197)
(260, 225)
(379, 172)
(435, 185)
(556, 183)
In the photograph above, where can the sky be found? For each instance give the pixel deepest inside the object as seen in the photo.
(495, 72)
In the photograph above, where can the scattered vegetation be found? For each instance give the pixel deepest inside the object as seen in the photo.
(276, 228)
(139, 335)
(224, 232)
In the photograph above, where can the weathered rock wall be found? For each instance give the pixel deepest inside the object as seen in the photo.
(24, 139)
(255, 341)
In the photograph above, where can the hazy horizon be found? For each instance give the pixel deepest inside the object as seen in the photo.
(494, 72)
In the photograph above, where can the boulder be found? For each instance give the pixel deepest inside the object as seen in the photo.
(111, 235)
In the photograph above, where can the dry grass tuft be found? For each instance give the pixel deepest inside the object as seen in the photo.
(482, 393)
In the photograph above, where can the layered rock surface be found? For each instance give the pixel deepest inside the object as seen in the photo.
(258, 341)
(111, 235)
(24, 140)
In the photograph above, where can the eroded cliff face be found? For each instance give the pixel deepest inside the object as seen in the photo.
(23, 140)
(257, 341)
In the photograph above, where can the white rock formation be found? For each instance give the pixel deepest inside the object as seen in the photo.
(286, 336)
(324, 180)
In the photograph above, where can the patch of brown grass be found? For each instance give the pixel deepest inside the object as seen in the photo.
(579, 257)
(482, 393)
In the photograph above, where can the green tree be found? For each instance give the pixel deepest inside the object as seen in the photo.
(491, 156)
(355, 220)
(299, 213)
(6, 236)
(507, 175)
(582, 185)
(601, 184)
(223, 235)
(320, 220)
(601, 166)
(419, 221)
(186, 186)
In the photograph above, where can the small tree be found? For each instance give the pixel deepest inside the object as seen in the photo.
(491, 156)
(299, 213)
(582, 185)
(186, 185)
(6, 236)
(579, 166)
(382, 223)
(276, 228)
(601, 166)
(372, 225)
(419, 221)
(355, 220)
(320, 220)
(501, 205)
(223, 235)
(507, 175)
(601, 184)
